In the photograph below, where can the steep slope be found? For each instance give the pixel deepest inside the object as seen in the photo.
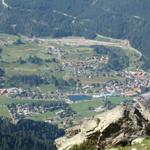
(28, 134)
(120, 19)
(114, 127)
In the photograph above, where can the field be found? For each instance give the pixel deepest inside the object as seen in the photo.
(6, 101)
(74, 49)
(100, 79)
(4, 112)
(44, 116)
(82, 108)
(38, 117)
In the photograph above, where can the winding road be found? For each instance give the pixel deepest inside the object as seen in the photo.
(5, 4)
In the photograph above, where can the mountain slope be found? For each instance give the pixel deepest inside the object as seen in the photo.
(28, 134)
(120, 19)
(117, 127)
(41, 61)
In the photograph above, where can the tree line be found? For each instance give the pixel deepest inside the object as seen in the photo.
(28, 134)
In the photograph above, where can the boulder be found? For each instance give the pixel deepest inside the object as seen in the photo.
(138, 141)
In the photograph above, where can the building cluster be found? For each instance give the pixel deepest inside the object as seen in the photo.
(20, 111)
(89, 68)
(27, 110)
(19, 93)
(132, 84)
(7, 91)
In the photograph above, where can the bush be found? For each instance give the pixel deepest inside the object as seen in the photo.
(35, 60)
(2, 72)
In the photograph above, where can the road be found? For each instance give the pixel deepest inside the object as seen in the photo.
(80, 41)
(5, 4)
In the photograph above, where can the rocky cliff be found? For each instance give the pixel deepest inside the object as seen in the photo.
(119, 126)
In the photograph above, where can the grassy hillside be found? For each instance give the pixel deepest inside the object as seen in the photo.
(46, 62)
(120, 19)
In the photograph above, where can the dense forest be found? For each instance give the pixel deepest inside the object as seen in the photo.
(28, 134)
(120, 19)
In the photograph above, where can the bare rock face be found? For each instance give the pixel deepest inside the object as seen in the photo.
(137, 141)
(119, 126)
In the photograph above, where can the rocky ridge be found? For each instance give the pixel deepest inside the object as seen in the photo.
(119, 126)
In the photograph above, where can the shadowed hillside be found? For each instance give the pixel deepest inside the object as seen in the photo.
(120, 19)
(27, 134)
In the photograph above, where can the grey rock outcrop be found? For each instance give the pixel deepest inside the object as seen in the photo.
(112, 127)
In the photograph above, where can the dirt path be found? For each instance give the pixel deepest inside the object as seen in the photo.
(79, 41)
